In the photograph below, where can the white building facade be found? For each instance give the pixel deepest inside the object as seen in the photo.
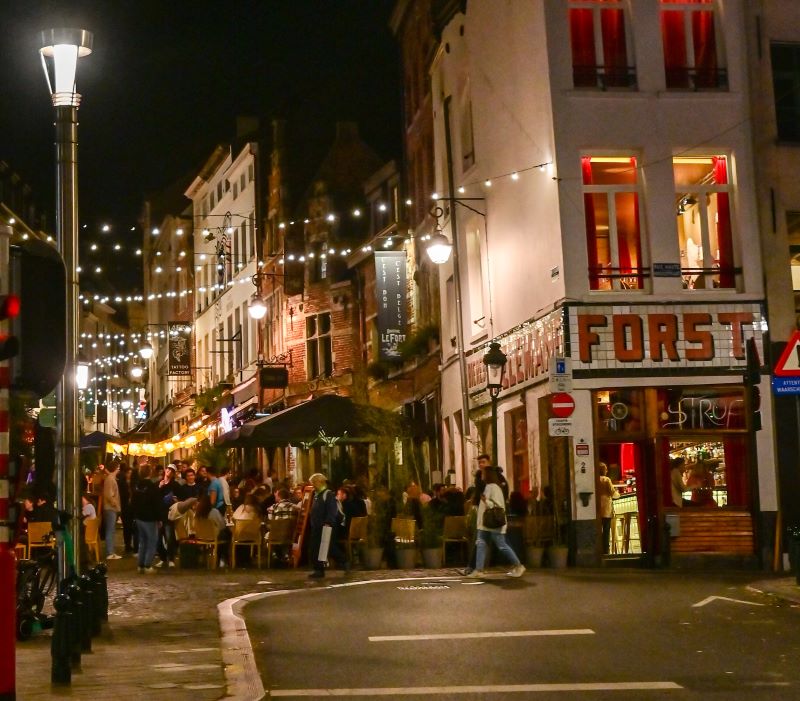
(225, 259)
(608, 151)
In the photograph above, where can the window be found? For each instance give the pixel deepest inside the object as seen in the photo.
(475, 280)
(235, 190)
(242, 182)
(599, 45)
(793, 233)
(319, 351)
(786, 86)
(613, 229)
(250, 173)
(702, 207)
(467, 137)
(691, 60)
(318, 264)
(219, 190)
(252, 247)
(241, 351)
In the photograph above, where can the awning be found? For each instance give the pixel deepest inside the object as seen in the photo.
(96, 440)
(330, 417)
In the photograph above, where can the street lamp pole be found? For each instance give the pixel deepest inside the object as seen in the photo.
(60, 51)
(495, 361)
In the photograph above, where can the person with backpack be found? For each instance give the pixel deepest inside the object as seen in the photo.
(325, 513)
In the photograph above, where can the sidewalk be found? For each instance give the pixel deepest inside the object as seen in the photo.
(782, 587)
(162, 640)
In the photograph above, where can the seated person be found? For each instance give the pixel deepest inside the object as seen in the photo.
(88, 509)
(247, 510)
(205, 509)
(283, 507)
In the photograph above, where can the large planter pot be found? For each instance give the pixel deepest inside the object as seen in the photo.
(406, 558)
(432, 558)
(372, 557)
(534, 555)
(557, 555)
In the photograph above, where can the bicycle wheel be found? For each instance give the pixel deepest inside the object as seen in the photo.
(46, 584)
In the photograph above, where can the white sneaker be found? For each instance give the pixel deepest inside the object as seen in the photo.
(171, 563)
(476, 574)
(516, 571)
(113, 556)
(150, 570)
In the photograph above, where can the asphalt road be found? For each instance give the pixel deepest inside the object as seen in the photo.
(580, 635)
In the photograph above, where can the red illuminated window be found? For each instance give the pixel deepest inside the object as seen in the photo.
(613, 230)
(599, 45)
(691, 49)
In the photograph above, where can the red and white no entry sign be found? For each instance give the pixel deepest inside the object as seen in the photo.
(562, 404)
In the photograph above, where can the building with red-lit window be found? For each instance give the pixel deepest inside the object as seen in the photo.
(607, 224)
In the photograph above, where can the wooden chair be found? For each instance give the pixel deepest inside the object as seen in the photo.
(91, 537)
(356, 534)
(405, 530)
(206, 537)
(37, 533)
(21, 551)
(454, 531)
(280, 534)
(246, 532)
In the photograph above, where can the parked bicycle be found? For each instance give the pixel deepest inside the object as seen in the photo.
(36, 581)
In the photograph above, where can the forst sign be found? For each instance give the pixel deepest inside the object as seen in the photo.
(661, 337)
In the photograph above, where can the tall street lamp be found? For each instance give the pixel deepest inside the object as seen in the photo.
(60, 51)
(495, 361)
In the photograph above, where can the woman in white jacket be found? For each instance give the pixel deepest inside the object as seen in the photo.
(493, 497)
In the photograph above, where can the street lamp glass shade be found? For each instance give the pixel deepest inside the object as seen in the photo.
(137, 372)
(60, 51)
(146, 350)
(439, 249)
(495, 361)
(82, 375)
(256, 307)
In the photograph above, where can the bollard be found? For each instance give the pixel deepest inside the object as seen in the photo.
(101, 586)
(86, 615)
(90, 599)
(794, 551)
(73, 591)
(61, 670)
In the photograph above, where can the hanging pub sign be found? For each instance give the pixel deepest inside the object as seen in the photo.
(180, 349)
(390, 286)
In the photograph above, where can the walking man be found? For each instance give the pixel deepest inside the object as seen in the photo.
(324, 512)
(112, 505)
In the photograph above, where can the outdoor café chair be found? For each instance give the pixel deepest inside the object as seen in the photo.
(207, 537)
(356, 534)
(38, 532)
(281, 534)
(91, 530)
(247, 533)
(454, 531)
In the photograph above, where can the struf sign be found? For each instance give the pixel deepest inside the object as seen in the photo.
(663, 337)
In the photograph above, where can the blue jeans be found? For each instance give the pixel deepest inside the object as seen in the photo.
(148, 539)
(110, 526)
(499, 540)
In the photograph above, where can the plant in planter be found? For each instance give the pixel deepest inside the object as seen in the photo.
(377, 533)
(404, 532)
(431, 536)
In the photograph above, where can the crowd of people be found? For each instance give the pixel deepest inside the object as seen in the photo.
(149, 500)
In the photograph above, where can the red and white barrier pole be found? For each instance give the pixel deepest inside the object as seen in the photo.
(8, 565)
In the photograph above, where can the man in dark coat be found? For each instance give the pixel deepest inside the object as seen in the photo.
(324, 512)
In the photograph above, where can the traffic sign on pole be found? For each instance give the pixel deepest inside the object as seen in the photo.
(562, 405)
(786, 376)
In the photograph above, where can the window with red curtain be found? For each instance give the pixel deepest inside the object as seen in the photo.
(689, 39)
(599, 46)
(703, 211)
(613, 230)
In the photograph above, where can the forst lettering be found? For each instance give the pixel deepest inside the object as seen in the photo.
(663, 334)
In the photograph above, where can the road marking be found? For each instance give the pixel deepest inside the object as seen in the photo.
(178, 667)
(466, 636)
(709, 599)
(484, 689)
(191, 649)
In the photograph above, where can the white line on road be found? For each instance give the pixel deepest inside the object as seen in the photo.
(709, 599)
(487, 689)
(466, 636)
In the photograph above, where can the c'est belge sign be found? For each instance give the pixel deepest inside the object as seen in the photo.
(663, 336)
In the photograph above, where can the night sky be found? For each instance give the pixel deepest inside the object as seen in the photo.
(167, 79)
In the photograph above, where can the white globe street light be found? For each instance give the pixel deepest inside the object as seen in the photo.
(146, 350)
(439, 248)
(256, 307)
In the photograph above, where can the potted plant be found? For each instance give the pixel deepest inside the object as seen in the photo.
(431, 536)
(377, 532)
(405, 543)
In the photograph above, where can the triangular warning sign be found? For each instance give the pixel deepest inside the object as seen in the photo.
(788, 364)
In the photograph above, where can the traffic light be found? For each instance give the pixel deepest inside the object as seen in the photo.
(38, 279)
(9, 309)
